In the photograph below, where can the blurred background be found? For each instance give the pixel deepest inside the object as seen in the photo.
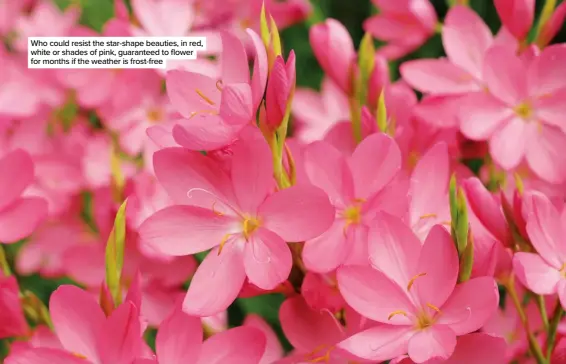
(351, 13)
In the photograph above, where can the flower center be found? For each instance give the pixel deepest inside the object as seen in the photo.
(154, 115)
(524, 110)
(320, 354)
(563, 270)
(250, 225)
(353, 213)
(424, 320)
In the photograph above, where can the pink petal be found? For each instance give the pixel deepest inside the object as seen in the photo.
(43, 356)
(12, 320)
(252, 173)
(18, 175)
(374, 295)
(326, 252)
(509, 155)
(327, 169)
(205, 132)
(273, 350)
(259, 77)
(479, 348)
(550, 108)
(394, 249)
(547, 74)
(78, 320)
(516, 15)
(380, 343)
(435, 342)
(466, 39)
(505, 75)
(234, 60)
(535, 273)
(185, 89)
(470, 305)
(429, 183)
(297, 213)
(121, 339)
(267, 259)
(370, 175)
(438, 76)
(546, 231)
(192, 179)
(481, 114)
(242, 345)
(184, 230)
(440, 111)
(162, 19)
(544, 156)
(439, 260)
(179, 339)
(306, 328)
(216, 283)
(236, 105)
(20, 219)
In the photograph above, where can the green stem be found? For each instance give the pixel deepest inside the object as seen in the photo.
(551, 338)
(533, 343)
(4, 265)
(542, 309)
(545, 15)
(356, 116)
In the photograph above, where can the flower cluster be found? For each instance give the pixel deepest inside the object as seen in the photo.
(389, 226)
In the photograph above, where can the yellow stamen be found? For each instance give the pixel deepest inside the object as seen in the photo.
(80, 356)
(195, 113)
(427, 216)
(394, 313)
(250, 225)
(433, 307)
(424, 321)
(204, 97)
(223, 242)
(524, 110)
(218, 213)
(219, 85)
(447, 223)
(312, 357)
(412, 281)
(154, 115)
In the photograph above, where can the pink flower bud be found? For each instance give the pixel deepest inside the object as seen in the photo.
(516, 15)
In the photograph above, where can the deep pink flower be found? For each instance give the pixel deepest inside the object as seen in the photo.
(413, 292)
(244, 223)
(12, 320)
(516, 15)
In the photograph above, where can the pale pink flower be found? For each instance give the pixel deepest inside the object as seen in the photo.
(358, 187)
(9, 14)
(516, 15)
(85, 333)
(404, 25)
(334, 49)
(215, 111)
(19, 216)
(543, 273)
(470, 349)
(180, 340)
(413, 292)
(244, 223)
(524, 104)
(12, 320)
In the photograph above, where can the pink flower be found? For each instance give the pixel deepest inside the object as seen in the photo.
(516, 15)
(85, 333)
(543, 273)
(179, 340)
(404, 25)
(279, 88)
(471, 349)
(244, 223)
(273, 349)
(12, 320)
(358, 187)
(523, 104)
(315, 113)
(19, 216)
(216, 111)
(334, 50)
(413, 292)
(320, 292)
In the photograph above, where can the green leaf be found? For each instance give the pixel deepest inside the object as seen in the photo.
(267, 306)
(115, 254)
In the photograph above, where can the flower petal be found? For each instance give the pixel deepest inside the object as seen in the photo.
(205, 132)
(18, 174)
(297, 213)
(216, 283)
(43, 356)
(535, 273)
(179, 339)
(236, 104)
(122, 339)
(21, 218)
(267, 259)
(437, 76)
(186, 91)
(505, 75)
(435, 342)
(242, 345)
(379, 343)
(509, 155)
(234, 60)
(481, 114)
(326, 252)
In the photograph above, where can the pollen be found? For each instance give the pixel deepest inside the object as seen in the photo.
(154, 115)
(204, 97)
(315, 357)
(412, 280)
(250, 225)
(223, 242)
(80, 356)
(524, 110)
(395, 313)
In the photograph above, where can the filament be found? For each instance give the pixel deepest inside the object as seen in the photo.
(395, 313)
(433, 307)
(189, 195)
(204, 97)
(412, 281)
(219, 85)
(223, 242)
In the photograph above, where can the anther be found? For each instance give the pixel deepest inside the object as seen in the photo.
(223, 242)
(427, 216)
(412, 281)
(394, 313)
(433, 307)
(219, 85)
(204, 97)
